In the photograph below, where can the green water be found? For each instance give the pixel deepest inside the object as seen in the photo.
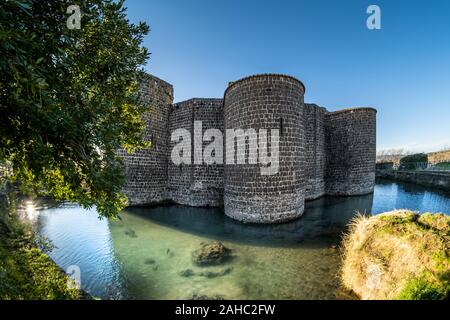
(261, 269)
(143, 256)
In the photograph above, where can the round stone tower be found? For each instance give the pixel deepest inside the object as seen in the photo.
(252, 194)
(351, 151)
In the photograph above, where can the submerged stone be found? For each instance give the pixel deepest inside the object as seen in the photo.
(149, 261)
(187, 273)
(214, 274)
(212, 253)
(169, 253)
(207, 274)
(131, 233)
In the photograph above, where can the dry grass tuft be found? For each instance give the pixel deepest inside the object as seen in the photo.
(398, 255)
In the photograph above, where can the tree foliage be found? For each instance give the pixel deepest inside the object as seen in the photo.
(69, 98)
(410, 162)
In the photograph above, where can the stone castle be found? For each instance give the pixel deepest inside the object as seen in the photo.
(320, 152)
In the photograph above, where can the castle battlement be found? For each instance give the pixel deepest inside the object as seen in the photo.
(320, 152)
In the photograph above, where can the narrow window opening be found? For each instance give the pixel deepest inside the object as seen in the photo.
(281, 126)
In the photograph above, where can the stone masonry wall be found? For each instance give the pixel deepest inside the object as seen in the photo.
(351, 151)
(315, 157)
(267, 102)
(439, 180)
(146, 170)
(196, 185)
(208, 178)
(179, 176)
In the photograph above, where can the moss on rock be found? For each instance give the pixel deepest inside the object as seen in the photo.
(398, 255)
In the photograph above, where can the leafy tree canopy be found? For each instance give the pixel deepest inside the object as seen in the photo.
(68, 98)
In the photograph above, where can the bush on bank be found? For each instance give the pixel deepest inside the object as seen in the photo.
(398, 255)
(410, 162)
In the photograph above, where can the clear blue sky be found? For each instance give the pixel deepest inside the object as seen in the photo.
(403, 69)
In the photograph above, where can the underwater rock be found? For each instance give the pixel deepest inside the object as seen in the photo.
(212, 274)
(169, 253)
(212, 253)
(207, 274)
(131, 233)
(187, 273)
(149, 261)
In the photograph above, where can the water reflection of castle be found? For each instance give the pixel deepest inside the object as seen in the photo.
(327, 218)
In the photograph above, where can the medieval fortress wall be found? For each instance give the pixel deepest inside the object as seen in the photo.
(195, 185)
(320, 152)
(147, 170)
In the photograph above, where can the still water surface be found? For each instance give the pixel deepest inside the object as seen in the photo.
(143, 255)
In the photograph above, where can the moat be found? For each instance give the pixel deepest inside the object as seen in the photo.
(146, 255)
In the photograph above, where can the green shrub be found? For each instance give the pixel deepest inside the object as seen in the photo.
(421, 289)
(410, 162)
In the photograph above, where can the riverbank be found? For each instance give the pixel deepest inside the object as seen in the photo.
(26, 272)
(439, 180)
(398, 255)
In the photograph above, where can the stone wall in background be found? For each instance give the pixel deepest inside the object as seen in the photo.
(439, 180)
(196, 184)
(315, 153)
(179, 176)
(146, 170)
(351, 151)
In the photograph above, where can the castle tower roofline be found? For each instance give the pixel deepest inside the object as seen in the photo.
(197, 100)
(263, 75)
(354, 109)
(146, 77)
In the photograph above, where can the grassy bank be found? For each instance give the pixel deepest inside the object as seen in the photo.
(26, 272)
(398, 255)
